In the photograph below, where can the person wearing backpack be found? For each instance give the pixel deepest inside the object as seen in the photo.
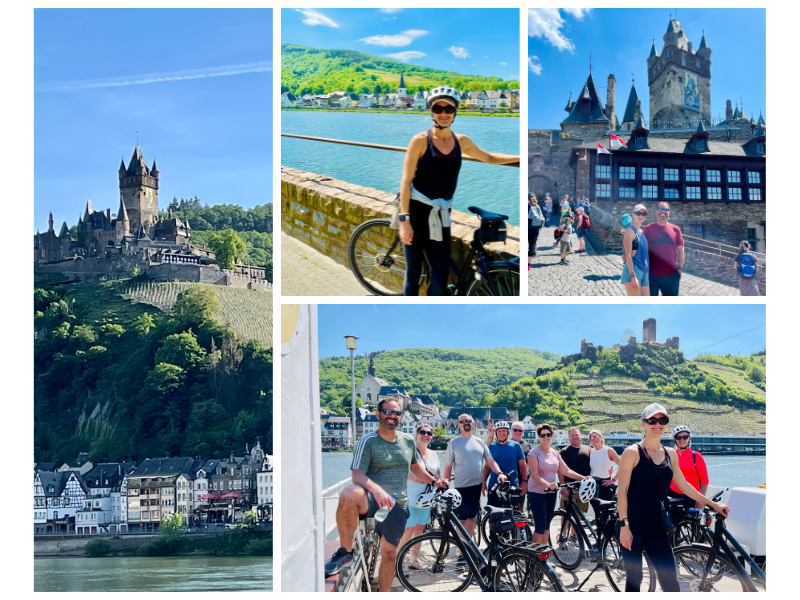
(565, 229)
(746, 267)
(535, 222)
(693, 467)
(583, 223)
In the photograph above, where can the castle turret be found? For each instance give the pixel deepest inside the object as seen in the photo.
(570, 103)
(89, 210)
(728, 110)
(761, 120)
(629, 118)
(703, 49)
(64, 232)
(371, 369)
(50, 222)
(611, 95)
(138, 188)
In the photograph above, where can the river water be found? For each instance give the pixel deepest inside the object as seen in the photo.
(147, 574)
(491, 187)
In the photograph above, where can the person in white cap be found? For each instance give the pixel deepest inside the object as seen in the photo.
(646, 471)
(636, 271)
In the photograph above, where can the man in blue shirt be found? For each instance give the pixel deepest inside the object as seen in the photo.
(509, 457)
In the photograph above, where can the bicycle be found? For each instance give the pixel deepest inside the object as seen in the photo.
(715, 567)
(572, 544)
(501, 567)
(377, 259)
(358, 574)
(510, 497)
(692, 526)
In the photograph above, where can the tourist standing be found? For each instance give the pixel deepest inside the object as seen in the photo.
(666, 253)
(566, 232)
(693, 467)
(517, 433)
(582, 222)
(746, 267)
(547, 208)
(509, 457)
(646, 471)
(576, 457)
(466, 454)
(535, 223)
(544, 463)
(430, 176)
(636, 272)
(602, 460)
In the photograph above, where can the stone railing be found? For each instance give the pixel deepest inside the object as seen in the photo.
(323, 212)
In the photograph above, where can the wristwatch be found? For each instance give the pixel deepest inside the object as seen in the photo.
(404, 217)
(623, 522)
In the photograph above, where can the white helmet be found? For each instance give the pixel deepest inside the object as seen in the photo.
(587, 490)
(680, 429)
(426, 500)
(452, 494)
(502, 425)
(444, 92)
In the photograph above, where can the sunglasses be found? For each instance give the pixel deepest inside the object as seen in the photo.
(681, 437)
(519, 430)
(641, 214)
(438, 109)
(659, 209)
(426, 433)
(465, 422)
(544, 435)
(659, 420)
(595, 436)
(389, 411)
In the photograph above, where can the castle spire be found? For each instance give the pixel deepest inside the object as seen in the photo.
(89, 209)
(653, 51)
(64, 233)
(50, 222)
(122, 213)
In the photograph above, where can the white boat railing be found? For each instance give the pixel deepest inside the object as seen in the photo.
(330, 502)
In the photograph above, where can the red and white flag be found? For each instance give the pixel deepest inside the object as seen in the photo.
(616, 142)
(602, 150)
(585, 154)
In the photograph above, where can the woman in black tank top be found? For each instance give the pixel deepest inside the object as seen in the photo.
(431, 167)
(646, 471)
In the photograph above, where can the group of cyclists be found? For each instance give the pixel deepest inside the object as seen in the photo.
(645, 476)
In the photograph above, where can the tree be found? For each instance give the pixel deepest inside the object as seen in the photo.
(181, 349)
(143, 324)
(196, 305)
(172, 522)
(439, 433)
(229, 247)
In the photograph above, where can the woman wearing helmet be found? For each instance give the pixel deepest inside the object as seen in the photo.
(430, 177)
(601, 461)
(544, 465)
(646, 471)
(419, 516)
(693, 467)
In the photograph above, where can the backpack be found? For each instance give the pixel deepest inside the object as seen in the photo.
(747, 265)
(586, 222)
(557, 234)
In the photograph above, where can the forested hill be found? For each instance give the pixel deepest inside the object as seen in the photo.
(450, 376)
(316, 71)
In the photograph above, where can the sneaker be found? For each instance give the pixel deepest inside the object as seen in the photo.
(337, 562)
(529, 266)
(566, 262)
(562, 262)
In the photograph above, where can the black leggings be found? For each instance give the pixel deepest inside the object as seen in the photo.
(438, 254)
(533, 236)
(542, 506)
(604, 492)
(649, 536)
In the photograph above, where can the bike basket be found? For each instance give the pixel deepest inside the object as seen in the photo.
(491, 231)
(502, 523)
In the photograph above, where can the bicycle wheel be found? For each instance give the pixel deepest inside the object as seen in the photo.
(376, 257)
(505, 279)
(438, 569)
(691, 563)
(614, 567)
(566, 543)
(689, 532)
(524, 571)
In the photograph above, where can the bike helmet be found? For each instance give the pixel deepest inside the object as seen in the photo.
(569, 214)
(680, 429)
(451, 494)
(587, 490)
(426, 500)
(449, 95)
(502, 425)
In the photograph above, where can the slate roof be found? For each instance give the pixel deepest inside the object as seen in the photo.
(480, 413)
(570, 103)
(425, 399)
(653, 51)
(703, 43)
(588, 91)
(164, 466)
(106, 475)
(663, 145)
(57, 479)
(630, 108)
(385, 389)
(46, 466)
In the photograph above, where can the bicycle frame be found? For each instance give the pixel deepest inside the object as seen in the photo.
(721, 532)
(592, 549)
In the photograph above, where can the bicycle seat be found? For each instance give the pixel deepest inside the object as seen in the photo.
(493, 513)
(487, 216)
(675, 501)
(601, 505)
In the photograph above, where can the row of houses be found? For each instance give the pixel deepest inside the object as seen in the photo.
(474, 100)
(113, 498)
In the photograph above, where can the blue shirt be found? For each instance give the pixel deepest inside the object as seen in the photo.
(507, 457)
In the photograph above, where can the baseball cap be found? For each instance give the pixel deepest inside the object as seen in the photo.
(639, 207)
(653, 409)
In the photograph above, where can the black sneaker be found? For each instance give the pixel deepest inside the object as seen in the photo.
(337, 562)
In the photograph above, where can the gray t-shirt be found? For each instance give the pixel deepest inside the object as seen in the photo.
(467, 455)
(387, 463)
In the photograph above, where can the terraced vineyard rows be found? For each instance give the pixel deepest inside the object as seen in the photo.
(732, 377)
(248, 312)
(734, 423)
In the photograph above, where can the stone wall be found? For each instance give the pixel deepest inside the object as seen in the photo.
(323, 212)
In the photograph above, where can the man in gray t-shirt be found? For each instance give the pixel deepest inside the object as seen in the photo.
(466, 454)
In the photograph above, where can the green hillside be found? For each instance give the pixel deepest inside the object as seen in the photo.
(451, 377)
(317, 71)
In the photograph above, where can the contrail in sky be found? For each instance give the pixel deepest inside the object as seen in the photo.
(63, 86)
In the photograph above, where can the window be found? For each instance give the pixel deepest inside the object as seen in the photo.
(693, 193)
(671, 175)
(601, 190)
(671, 193)
(751, 233)
(698, 64)
(701, 145)
(145, 514)
(683, 60)
(670, 53)
(640, 141)
(627, 172)
(755, 194)
(753, 177)
(714, 193)
(713, 176)
(692, 174)
(734, 193)
(760, 148)
(627, 192)
(602, 171)
(734, 177)
(650, 173)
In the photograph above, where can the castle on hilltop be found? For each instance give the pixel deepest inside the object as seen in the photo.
(590, 351)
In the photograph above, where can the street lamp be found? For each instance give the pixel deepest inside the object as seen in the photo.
(351, 345)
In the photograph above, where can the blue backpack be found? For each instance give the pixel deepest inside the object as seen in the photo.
(747, 265)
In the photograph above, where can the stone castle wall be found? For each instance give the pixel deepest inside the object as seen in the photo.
(323, 213)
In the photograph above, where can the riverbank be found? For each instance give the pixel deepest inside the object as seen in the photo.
(370, 111)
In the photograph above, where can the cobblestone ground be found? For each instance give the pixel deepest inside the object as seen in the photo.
(593, 274)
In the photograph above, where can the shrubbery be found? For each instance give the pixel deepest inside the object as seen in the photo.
(97, 547)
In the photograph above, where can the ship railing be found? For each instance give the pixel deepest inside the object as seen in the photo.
(330, 502)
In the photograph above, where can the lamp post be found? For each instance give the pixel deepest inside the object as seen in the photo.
(351, 345)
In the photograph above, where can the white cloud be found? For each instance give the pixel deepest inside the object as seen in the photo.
(404, 38)
(534, 65)
(459, 52)
(389, 18)
(225, 71)
(406, 56)
(504, 64)
(547, 23)
(314, 17)
(389, 11)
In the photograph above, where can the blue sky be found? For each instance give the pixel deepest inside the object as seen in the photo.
(620, 40)
(195, 84)
(468, 41)
(543, 327)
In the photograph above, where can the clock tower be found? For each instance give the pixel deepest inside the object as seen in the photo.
(138, 191)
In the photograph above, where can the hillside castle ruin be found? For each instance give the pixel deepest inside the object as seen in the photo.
(590, 351)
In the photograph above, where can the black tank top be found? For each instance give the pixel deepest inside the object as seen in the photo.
(437, 173)
(648, 486)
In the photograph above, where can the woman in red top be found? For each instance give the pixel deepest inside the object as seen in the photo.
(693, 467)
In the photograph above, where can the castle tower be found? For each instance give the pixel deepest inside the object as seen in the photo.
(401, 90)
(123, 223)
(649, 331)
(629, 118)
(50, 222)
(611, 102)
(138, 192)
(587, 117)
(679, 81)
(728, 110)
